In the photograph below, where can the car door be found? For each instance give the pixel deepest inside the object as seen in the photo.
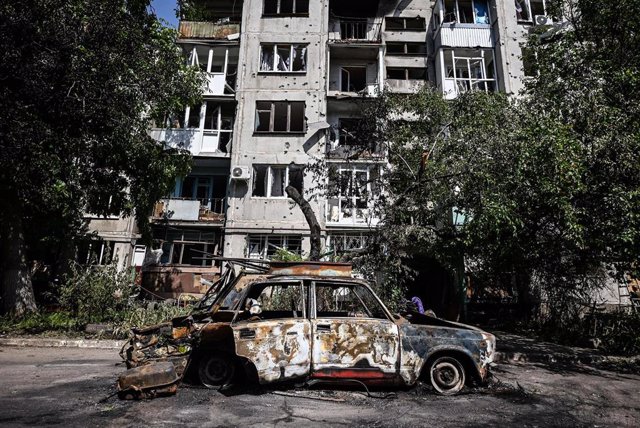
(353, 336)
(276, 337)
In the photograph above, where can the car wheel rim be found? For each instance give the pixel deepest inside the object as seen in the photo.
(447, 376)
(216, 371)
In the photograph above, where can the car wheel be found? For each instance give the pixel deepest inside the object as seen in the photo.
(216, 369)
(447, 375)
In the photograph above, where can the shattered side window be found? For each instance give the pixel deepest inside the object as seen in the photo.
(271, 301)
(339, 300)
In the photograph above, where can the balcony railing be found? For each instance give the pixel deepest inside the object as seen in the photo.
(463, 36)
(355, 31)
(185, 209)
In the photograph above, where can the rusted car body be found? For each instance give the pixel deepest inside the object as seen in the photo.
(293, 325)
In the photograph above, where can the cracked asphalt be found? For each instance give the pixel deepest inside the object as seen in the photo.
(71, 387)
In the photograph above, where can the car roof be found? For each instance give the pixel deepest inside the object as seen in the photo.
(284, 278)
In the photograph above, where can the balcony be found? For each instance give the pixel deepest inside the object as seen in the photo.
(199, 142)
(347, 31)
(456, 35)
(208, 30)
(208, 210)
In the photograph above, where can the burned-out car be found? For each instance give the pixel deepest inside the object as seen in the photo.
(313, 321)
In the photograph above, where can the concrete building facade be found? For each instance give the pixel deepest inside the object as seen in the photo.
(285, 79)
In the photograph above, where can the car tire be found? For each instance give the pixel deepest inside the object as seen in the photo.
(447, 375)
(216, 369)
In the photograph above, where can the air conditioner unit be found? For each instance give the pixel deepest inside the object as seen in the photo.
(543, 20)
(240, 173)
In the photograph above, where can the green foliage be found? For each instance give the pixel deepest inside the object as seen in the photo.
(141, 314)
(95, 294)
(284, 255)
(81, 82)
(39, 323)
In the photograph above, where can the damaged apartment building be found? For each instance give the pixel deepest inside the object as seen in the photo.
(284, 79)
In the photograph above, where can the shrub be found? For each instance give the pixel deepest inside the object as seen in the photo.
(97, 293)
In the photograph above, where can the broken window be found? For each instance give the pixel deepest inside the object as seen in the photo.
(266, 246)
(353, 79)
(218, 122)
(344, 300)
(394, 48)
(280, 300)
(95, 252)
(188, 247)
(270, 181)
(470, 70)
(352, 193)
(527, 10)
(280, 116)
(193, 116)
(347, 132)
(209, 190)
(283, 58)
(466, 11)
(410, 73)
(285, 8)
(405, 24)
(341, 243)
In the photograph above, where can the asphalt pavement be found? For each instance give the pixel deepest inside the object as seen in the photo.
(73, 387)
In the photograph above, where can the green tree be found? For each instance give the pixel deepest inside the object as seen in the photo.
(548, 184)
(80, 82)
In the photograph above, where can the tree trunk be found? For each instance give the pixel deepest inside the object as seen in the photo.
(17, 291)
(309, 215)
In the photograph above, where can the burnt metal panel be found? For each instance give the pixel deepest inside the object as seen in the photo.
(206, 30)
(353, 344)
(279, 349)
(311, 268)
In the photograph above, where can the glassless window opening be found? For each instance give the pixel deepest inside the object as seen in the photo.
(344, 243)
(266, 246)
(218, 120)
(276, 301)
(405, 24)
(339, 300)
(353, 79)
(406, 73)
(473, 71)
(270, 181)
(280, 116)
(527, 10)
(209, 190)
(466, 11)
(346, 130)
(283, 58)
(285, 7)
(406, 49)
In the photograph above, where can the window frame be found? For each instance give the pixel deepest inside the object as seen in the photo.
(404, 23)
(457, 13)
(406, 73)
(268, 176)
(264, 244)
(292, 46)
(347, 203)
(404, 49)
(450, 59)
(531, 17)
(278, 14)
(272, 117)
